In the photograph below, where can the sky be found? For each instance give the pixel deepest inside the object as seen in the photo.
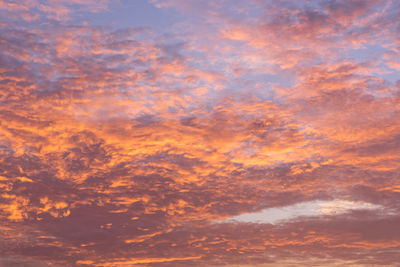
(174, 133)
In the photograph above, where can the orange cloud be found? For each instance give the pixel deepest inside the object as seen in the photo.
(128, 146)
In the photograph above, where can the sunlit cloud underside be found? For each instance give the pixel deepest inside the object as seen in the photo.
(199, 133)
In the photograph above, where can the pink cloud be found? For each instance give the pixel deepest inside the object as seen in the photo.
(125, 146)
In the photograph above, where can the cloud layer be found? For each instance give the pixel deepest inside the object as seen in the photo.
(134, 146)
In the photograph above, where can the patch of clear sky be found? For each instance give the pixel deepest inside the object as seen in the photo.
(135, 13)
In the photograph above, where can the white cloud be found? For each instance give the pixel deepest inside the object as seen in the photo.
(311, 208)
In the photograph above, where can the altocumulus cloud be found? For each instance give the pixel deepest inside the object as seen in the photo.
(224, 133)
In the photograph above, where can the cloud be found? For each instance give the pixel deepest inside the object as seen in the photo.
(126, 146)
(313, 208)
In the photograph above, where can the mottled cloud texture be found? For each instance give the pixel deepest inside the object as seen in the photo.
(140, 145)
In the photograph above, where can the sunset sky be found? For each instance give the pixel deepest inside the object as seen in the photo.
(174, 133)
